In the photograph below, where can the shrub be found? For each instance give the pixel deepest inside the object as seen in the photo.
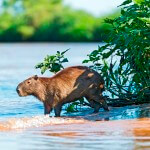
(124, 61)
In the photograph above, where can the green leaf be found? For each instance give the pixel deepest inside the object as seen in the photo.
(64, 60)
(71, 108)
(56, 67)
(39, 65)
(124, 81)
(106, 55)
(62, 53)
(125, 3)
(130, 21)
(43, 69)
(52, 63)
(85, 61)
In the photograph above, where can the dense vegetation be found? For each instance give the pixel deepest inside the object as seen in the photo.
(124, 61)
(48, 20)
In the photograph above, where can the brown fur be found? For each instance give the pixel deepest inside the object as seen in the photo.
(66, 86)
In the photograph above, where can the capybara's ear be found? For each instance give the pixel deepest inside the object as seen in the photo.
(35, 77)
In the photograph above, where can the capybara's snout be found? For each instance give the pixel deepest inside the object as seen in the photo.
(18, 90)
(27, 87)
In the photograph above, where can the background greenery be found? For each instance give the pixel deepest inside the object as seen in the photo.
(49, 20)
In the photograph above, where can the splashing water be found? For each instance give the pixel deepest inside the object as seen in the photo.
(36, 121)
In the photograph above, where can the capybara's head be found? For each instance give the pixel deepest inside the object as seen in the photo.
(28, 87)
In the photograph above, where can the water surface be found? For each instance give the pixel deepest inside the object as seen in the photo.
(23, 125)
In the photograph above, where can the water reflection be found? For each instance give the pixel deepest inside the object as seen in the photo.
(122, 134)
(79, 133)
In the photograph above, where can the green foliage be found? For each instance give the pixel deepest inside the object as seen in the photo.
(53, 63)
(138, 1)
(75, 106)
(125, 60)
(48, 20)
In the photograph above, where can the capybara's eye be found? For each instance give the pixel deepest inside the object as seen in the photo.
(28, 82)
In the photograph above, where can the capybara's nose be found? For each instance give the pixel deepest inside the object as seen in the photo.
(17, 89)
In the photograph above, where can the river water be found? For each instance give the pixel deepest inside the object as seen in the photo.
(23, 125)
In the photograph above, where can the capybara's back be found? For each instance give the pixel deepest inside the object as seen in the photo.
(66, 86)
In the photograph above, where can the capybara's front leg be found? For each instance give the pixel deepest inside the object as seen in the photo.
(47, 108)
(57, 110)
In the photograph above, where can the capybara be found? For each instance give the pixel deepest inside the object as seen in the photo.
(66, 86)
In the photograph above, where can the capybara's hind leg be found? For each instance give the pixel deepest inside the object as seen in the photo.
(97, 106)
(101, 101)
(94, 105)
(104, 104)
(57, 110)
(47, 108)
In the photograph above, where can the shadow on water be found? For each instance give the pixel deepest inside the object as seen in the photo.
(115, 113)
